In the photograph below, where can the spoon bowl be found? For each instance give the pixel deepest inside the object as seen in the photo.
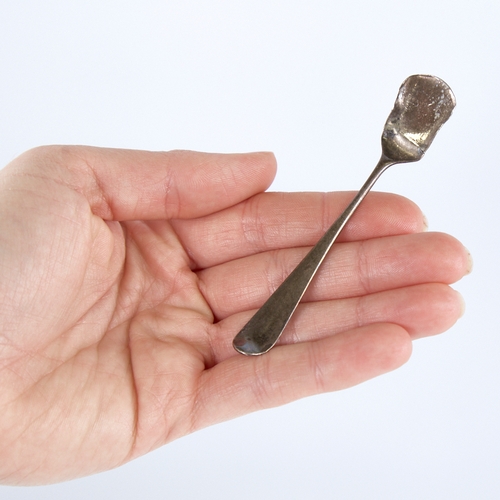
(423, 105)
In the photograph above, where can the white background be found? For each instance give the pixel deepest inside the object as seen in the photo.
(314, 82)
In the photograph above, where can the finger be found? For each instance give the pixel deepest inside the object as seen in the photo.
(130, 185)
(350, 270)
(280, 220)
(241, 384)
(422, 310)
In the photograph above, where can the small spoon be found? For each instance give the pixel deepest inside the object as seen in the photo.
(423, 105)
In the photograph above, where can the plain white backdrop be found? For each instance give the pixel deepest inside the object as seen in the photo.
(314, 82)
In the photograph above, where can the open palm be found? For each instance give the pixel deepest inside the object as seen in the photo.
(124, 276)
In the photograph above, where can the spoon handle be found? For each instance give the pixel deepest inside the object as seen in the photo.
(265, 327)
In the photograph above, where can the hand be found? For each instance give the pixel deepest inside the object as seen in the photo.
(124, 276)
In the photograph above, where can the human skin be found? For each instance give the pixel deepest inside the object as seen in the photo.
(124, 276)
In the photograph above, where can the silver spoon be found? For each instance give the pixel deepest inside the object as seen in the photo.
(423, 105)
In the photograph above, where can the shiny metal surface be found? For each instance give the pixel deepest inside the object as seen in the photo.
(423, 105)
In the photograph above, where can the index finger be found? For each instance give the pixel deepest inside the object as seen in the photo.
(270, 221)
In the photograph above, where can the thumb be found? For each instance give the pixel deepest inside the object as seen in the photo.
(143, 185)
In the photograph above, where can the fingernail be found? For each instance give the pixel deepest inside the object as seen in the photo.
(426, 223)
(470, 262)
(462, 303)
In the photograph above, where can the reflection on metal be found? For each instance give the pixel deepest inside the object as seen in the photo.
(423, 105)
